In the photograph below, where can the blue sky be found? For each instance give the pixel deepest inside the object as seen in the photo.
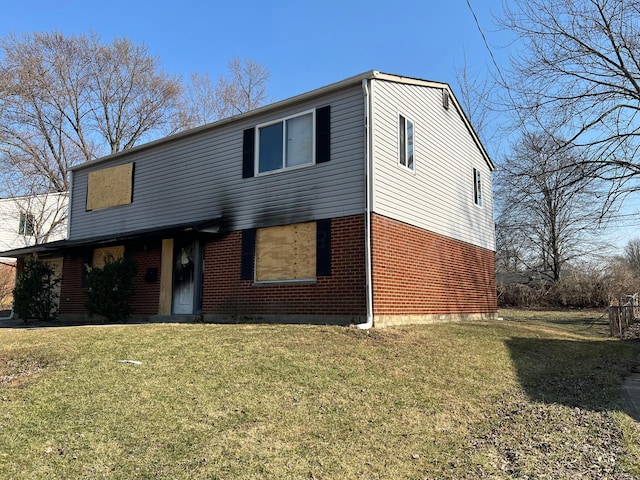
(304, 44)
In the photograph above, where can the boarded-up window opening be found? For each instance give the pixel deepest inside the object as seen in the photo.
(99, 255)
(286, 253)
(110, 187)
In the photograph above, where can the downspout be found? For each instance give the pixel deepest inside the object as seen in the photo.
(368, 203)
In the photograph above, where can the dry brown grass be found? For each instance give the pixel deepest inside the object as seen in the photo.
(508, 399)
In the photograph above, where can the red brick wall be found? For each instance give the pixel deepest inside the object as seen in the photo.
(72, 295)
(416, 272)
(146, 297)
(342, 293)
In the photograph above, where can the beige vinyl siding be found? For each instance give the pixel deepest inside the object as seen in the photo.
(438, 195)
(199, 177)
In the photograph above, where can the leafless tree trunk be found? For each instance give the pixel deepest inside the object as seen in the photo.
(66, 100)
(135, 99)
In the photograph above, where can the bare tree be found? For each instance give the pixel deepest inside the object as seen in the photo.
(631, 255)
(65, 100)
(200, 103)
(243, 88)
(578, 73)
(134, 99)
(548, 211)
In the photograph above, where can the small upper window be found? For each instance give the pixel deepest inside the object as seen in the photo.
(477, 187)
(406, 142)
(27, 225)
(286, 143)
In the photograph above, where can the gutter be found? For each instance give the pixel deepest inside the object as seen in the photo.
(369, 194)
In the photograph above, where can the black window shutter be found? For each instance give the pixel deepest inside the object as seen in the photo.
(248, 254)
(323, 134)
(248, 148)
(323, 247)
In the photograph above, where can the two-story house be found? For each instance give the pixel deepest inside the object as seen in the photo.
(367, 201)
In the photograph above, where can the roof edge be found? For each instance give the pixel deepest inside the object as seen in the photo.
(431, 84)
(206, 226)
(354, 80)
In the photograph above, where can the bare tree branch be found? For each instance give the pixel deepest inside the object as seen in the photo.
(65, 100)
(579, 74)
(549, 211)
(244, 88)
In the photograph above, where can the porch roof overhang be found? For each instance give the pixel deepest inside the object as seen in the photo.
(211, 226)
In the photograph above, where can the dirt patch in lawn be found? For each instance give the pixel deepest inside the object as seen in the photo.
(15, 370)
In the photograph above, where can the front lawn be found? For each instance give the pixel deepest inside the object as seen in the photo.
(518, 398)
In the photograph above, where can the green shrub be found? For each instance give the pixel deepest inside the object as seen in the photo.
(111, 289)
(35, 295)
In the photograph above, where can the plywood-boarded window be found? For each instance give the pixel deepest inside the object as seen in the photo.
(99, 255)
(286, 253)
(110, 187)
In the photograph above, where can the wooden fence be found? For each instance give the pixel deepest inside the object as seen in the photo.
(620, 317)
(624, 314)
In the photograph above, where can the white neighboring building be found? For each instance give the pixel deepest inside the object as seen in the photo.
(33, 219)
(30, 220)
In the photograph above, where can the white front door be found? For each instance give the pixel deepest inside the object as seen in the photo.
(183, 278)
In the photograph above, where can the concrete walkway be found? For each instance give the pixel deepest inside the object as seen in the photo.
(631, 396)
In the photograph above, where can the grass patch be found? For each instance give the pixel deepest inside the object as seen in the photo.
(508, 399)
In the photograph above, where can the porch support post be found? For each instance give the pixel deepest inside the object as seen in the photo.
(166, 277)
